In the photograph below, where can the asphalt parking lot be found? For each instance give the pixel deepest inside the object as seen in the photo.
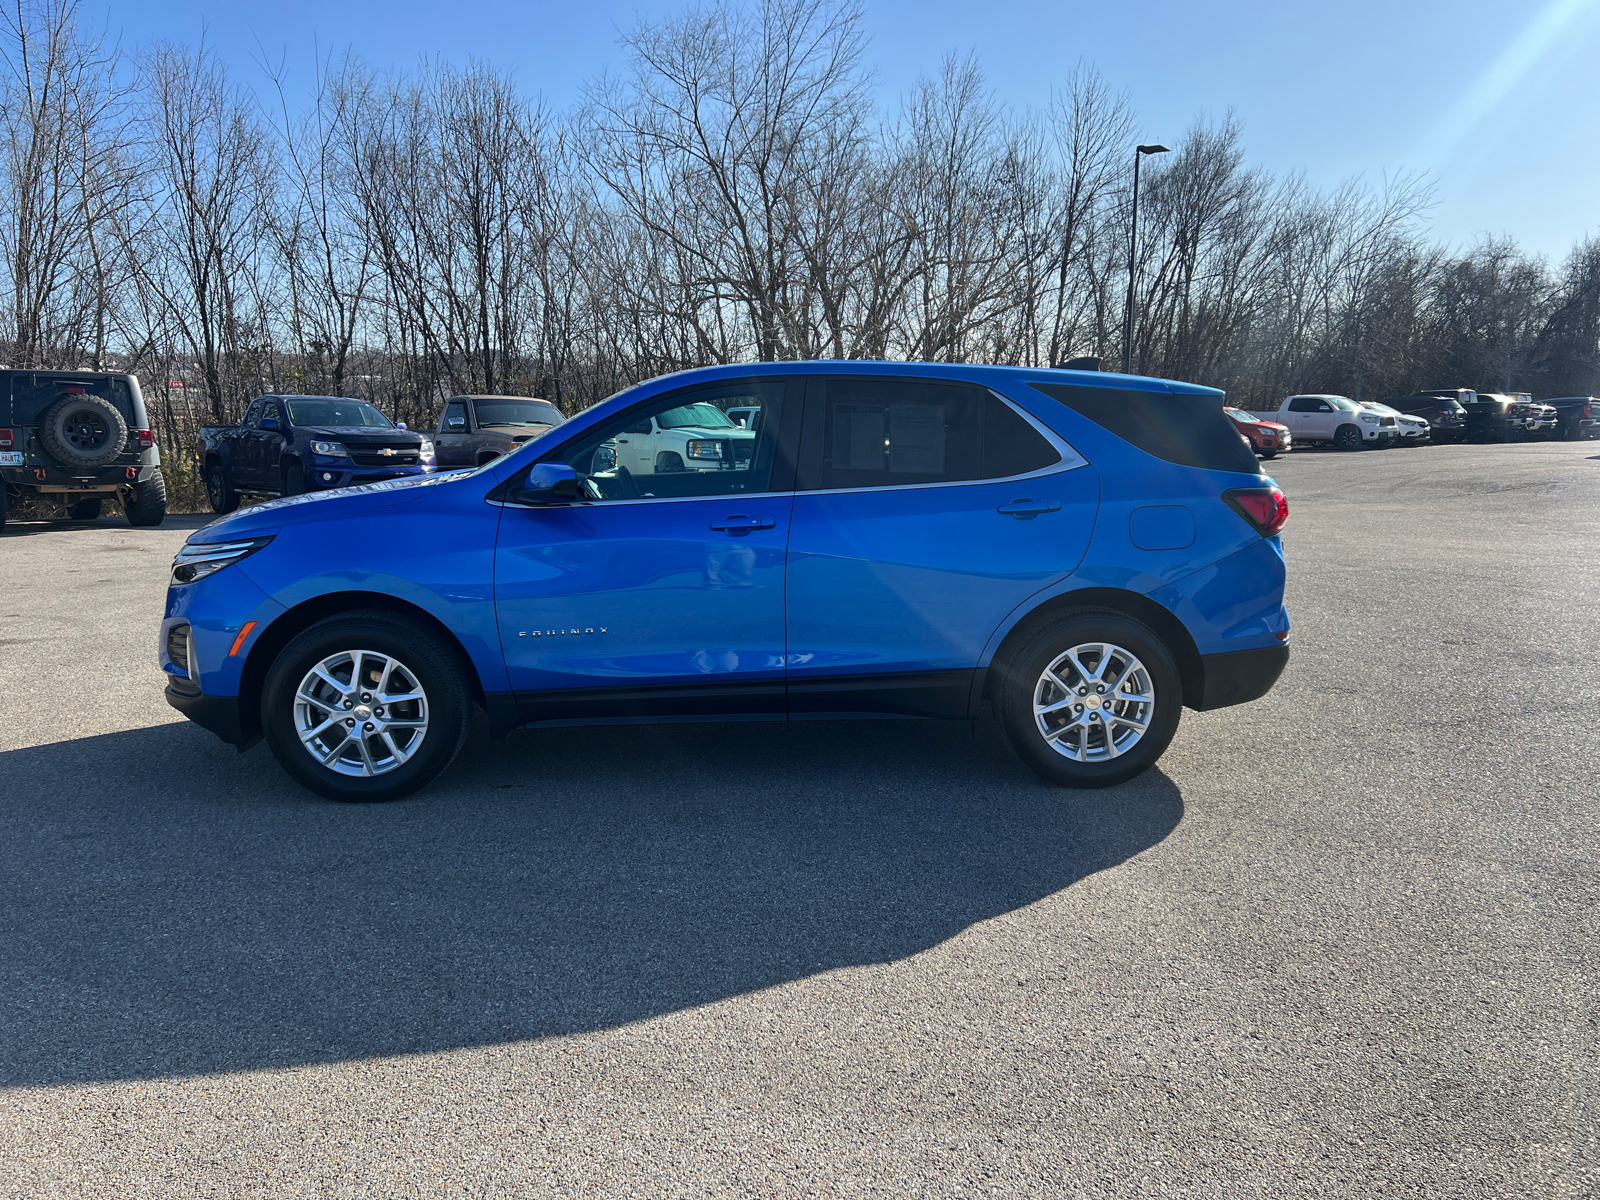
(1342, 943)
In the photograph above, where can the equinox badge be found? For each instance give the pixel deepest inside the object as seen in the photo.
(559, 632)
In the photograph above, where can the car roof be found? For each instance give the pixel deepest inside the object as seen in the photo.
(968, 372)
(476, 396)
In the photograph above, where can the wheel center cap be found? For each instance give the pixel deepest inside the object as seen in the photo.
(363, 713)
(1093, 702)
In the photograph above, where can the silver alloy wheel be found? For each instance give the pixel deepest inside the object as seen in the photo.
(1094, 702)
(360, 712)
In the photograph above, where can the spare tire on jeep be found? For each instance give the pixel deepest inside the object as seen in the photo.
(82, 430)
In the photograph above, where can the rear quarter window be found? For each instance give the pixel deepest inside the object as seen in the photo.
(1190, 430)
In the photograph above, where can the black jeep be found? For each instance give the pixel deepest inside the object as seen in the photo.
(78, 437)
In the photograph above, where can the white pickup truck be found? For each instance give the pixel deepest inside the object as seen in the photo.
(691, 437)
(1338, 420)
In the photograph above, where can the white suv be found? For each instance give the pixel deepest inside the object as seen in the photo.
(691, 437)
(1413, 430)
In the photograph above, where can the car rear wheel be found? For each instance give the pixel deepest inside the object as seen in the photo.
(219, 491)
(1090, 700)
(1347, 437)
(147, 507)
(365, 706)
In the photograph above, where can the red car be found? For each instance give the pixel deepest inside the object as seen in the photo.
(1266, 438)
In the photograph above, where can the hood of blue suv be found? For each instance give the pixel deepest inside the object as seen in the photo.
(273, 515)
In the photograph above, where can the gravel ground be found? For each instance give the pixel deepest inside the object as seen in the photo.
(1343, 943)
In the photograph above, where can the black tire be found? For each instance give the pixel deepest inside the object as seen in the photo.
(294, 479)
(668, 462)
(82, 431)
(1269, 454)
(438, 674)
(219, 491)
(85, 510)
(148, 506)
(1347, 437)
(5, 503)
(1024, 672)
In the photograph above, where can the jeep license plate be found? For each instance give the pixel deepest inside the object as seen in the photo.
(10, 458)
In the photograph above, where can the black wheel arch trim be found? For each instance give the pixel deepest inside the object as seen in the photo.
(288, 624)
(1161, 620)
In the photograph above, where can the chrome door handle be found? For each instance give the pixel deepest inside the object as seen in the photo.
(1025, 509)
(738, 526)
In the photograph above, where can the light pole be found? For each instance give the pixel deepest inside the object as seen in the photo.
(1133, 250)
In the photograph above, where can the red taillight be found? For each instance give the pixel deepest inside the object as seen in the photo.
(5, 438)
(1586, 411)
(1265, 508)
(146, 439)
(74, 391)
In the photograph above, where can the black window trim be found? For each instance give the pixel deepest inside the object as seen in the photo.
(1070, 459)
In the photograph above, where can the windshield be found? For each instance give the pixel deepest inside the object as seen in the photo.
(1341, 403)
(517, 412)
(1239, 416)
(697, 416)
(339, 414)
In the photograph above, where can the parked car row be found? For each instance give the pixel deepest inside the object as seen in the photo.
(1446, 415)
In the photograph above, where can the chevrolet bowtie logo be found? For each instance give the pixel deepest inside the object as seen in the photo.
(388, 452)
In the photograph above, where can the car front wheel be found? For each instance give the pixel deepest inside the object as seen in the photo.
(365, 706)
(1347, 437)
(1090, 700)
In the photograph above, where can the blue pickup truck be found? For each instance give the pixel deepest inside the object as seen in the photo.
(287, 445)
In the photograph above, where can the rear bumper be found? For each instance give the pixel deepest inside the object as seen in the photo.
(1240, 676)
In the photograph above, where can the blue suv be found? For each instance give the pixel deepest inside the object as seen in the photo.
(1081, 554)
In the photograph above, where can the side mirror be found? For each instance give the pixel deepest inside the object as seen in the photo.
(548, 483)
(454, 424)
(267, 423)
(399, 424)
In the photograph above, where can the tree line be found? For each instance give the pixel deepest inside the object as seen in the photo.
(732, 191)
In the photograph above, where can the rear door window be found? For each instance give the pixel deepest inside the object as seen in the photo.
(874, 432)
(1190, 430)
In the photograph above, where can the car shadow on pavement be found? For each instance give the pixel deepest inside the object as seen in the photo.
(170, 907)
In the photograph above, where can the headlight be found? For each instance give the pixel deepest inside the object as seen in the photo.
(707, 449)
(205, 558)
(333, 449)
(426, 449)
(1370, 418)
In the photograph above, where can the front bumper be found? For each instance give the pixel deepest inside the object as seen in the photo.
(219, 714)
(1240, 676)
(325, 476)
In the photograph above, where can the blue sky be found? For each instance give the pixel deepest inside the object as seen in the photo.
(1493, 101)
